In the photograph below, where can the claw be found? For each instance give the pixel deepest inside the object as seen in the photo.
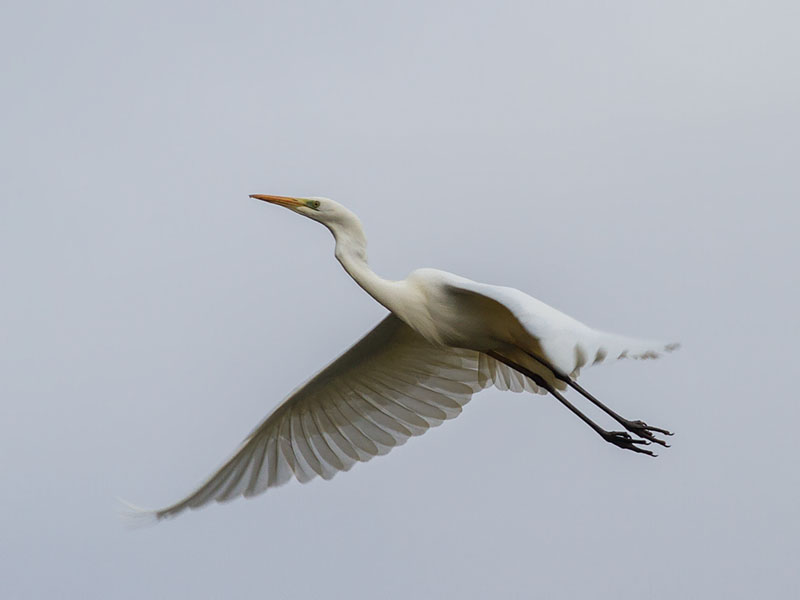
(622, 439)
(645, 431)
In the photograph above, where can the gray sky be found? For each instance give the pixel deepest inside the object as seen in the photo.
(632, 163)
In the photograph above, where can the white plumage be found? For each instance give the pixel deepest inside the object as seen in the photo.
(445, 339)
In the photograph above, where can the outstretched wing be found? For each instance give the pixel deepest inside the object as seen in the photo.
(560, 340)
(389, 386)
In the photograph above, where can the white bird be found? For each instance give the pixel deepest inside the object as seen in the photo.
(445, 338)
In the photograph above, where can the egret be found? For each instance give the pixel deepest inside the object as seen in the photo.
(445, 338)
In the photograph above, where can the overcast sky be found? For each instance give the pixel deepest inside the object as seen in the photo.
(635, 164)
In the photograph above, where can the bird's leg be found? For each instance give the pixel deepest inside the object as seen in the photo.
(618, 438)
(637, 427)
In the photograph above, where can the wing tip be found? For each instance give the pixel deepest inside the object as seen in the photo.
(136, 517)
(651, 353)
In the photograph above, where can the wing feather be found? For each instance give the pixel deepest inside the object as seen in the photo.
(404, 417)
(441, 403)
(380, 437)
(363, 447)
(348, 454)
(433, 415)
(235, 485)
(260, 477)
(302, 438)
(328, 458)
(303, 471)
(354, 431)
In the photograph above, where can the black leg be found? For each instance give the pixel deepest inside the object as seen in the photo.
(637, 427)
(618, 438)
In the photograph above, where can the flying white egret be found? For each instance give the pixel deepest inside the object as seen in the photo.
(445, 338)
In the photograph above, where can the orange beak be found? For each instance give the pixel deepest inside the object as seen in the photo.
(280, 200)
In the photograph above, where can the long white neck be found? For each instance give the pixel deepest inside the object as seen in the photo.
(351, 252)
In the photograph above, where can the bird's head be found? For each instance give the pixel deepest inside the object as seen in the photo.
(333, 215)
(324, 210)
(343, 224)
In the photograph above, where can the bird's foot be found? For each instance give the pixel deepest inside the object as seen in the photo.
(643, 430)
(624, 440)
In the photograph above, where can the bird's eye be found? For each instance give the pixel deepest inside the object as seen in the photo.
(314, 204)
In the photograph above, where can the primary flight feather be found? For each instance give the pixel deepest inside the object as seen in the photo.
(445, 338)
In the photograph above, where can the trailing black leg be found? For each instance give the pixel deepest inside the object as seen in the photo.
(637, 427)
(618, 438)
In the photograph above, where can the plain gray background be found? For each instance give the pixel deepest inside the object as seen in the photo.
(633, 163)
